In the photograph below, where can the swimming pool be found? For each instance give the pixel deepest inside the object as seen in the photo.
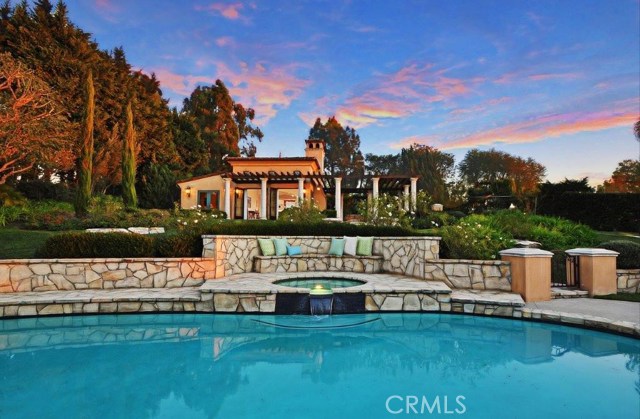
(201, 365)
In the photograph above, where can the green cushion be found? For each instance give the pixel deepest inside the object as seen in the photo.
(266, 247)
(365, 246)
(281, 246)
(337, 247)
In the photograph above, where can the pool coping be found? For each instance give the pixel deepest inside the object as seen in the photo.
(426, 297)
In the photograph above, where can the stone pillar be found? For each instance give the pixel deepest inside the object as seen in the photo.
(263, 198)
(300, 190)
(530, 272)
(406, 197)
(338, 196)
(597, 270)
(227, 196)
(375, 182)
(414, 192)
(245, 205)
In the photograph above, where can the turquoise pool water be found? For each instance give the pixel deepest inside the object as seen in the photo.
(327, 283)
(356, 366)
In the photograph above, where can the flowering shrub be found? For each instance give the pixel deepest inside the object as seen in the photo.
(198, 218)
(386, 210)
(306, 212)
(470, 239)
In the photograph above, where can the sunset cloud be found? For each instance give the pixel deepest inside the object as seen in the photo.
(229, 11)
(397, 95)
(536, 129)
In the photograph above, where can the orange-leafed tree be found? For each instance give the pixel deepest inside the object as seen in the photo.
(33, 130)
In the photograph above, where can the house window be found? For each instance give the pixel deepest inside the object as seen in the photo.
(209, 199)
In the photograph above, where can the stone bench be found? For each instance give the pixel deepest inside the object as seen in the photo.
(317, 262)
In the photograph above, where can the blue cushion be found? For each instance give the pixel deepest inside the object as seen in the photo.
(337, 247)
(294, 250)
(280, 246)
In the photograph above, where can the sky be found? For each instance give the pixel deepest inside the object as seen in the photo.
(557, 81)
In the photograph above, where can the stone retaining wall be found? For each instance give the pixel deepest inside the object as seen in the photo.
(628, 280)
(403, 255)
(471, 274)
(23, 275)
(305, 263)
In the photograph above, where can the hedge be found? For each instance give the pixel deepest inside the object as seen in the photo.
(189, 244)
(97, 245)
(601, 211)
(629, 257)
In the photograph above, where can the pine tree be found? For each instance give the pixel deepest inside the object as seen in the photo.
(129, 161)
(83, 193)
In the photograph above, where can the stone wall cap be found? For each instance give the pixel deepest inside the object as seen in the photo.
(584, 251)
(255, 236)
(526, 252)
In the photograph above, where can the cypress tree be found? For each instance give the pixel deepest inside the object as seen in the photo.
(129, 161)
(83, 192)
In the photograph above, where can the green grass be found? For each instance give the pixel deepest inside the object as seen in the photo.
(620, 297)
(607, 236)
(21, 244)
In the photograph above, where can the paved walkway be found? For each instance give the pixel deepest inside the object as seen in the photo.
(613, 310)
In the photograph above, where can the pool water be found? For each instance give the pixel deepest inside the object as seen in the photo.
(356, 366)
(326, 283)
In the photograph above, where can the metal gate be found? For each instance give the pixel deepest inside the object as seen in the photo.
(565, 270)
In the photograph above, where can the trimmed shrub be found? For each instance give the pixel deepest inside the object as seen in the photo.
(469, 239)
(97, 245)
(432, 220)
(601, 211)
(629, 257)
(178, 245)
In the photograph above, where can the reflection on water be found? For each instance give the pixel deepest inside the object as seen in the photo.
(228, 365)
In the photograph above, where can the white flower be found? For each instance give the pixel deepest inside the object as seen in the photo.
(195, 221)
(184, 223)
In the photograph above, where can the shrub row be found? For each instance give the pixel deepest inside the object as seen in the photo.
(120, 245)
(602, 211)
(629, 257)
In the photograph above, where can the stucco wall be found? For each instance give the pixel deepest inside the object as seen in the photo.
(212, 183)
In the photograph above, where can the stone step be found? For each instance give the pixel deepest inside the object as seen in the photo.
(568, 293)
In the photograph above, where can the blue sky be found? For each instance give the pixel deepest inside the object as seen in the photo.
(554, 80)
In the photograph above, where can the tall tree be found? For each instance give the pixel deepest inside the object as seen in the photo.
(625, 178)
(32, 130)
(85, 169)
(223, 125)
(129, 161)
(343, 155)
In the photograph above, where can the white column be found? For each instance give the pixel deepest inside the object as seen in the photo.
(338, 196)
(300, 190)
(414, 192)
(245, 211)
(227, 197)
(406, 197)
(375, 181)
(263, 198)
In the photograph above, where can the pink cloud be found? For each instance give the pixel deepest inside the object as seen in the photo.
(265, 88)
(539, 128)
(397, 95)
(224, 41)
(229, 11)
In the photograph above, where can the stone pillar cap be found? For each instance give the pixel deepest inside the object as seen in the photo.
(585, 251)
(526, 252)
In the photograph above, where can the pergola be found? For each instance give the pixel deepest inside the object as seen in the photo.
(330, 184)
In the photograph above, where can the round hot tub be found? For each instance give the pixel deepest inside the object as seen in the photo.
(320, 283)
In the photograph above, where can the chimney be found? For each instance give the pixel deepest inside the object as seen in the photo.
(315, 148)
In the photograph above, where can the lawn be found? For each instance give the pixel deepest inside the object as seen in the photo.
(607, 236)
(21, 244)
